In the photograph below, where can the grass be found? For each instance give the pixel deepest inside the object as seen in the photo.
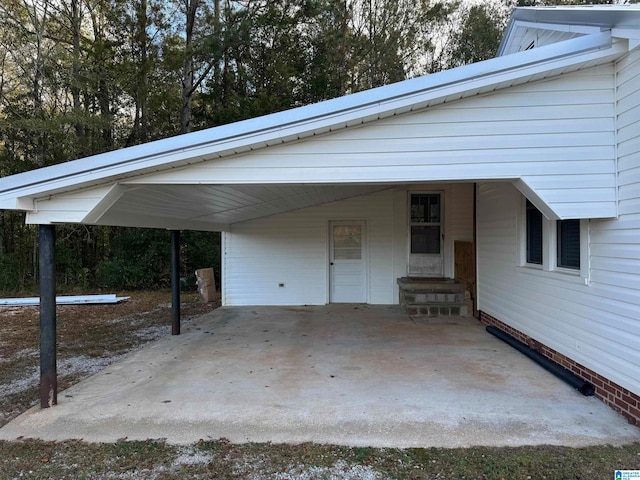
(92, 336)
(223, 460)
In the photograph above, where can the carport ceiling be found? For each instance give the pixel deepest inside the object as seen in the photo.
(222, 205)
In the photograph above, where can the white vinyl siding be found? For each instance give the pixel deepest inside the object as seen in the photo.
(557, 135)
(292, 248)
(597, 325)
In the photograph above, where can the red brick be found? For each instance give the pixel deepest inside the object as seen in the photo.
(597, 382)
(621, 403)
(609, 388)
(630, 400)
(635, 413)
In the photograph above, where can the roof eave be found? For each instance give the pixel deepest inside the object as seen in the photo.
(303, 121)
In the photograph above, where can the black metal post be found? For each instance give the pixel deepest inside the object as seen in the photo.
(175, 282)
(47, 264)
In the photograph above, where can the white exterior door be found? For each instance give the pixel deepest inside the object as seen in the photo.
(425, 235)
(348, 262)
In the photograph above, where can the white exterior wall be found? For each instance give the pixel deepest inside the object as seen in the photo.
(528, 131)
(597, 325)
(293, 248)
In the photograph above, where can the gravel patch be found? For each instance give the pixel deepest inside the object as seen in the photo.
(341, 470)
(188, 456)
(153, 333)
(69, 366)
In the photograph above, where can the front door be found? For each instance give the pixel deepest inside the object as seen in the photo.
(348, 262)
(425, 235)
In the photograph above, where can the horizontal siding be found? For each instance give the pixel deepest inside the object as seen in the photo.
(292, 248)
(596, 325)
(71, 207)
(540, 132)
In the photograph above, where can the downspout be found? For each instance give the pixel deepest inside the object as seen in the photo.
(476, 306)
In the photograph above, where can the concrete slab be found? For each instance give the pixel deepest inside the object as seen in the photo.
(344, 374)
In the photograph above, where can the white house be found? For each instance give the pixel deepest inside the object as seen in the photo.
(533, 157)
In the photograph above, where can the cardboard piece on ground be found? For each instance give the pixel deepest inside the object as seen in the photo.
(206, 284)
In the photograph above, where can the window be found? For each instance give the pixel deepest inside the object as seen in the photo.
(568, 236)
(425, 223)
(557, 248)
(534, 234)
(347, 242)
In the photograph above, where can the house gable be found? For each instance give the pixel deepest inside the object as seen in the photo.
(553, 138)
(237, 142)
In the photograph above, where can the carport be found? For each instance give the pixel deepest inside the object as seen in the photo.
(344, 374)
(467, 126)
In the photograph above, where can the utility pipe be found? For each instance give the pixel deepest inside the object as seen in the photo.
(559, 371)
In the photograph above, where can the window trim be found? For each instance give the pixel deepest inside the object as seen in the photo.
(550, 267)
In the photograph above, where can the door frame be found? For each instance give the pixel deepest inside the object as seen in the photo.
(442, 227)
(365, 252)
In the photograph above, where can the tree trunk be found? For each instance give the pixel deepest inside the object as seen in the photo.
(75, 81)
(191, 9)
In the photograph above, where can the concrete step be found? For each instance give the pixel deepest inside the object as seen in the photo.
(421, 297)
(430, 285)
(437, 310)
(433, 297)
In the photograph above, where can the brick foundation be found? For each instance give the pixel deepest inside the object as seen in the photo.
(617, 397)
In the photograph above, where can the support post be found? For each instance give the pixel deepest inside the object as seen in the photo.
(175, 282)
(47, 265)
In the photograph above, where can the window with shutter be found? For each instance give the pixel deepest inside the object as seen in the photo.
(534, 234)
(568, 235)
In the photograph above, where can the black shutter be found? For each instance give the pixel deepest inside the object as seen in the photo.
(534, 234)
(569, 244)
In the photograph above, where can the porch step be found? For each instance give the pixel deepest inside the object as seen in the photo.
(430, 284)
(439, 310)
(433, 297)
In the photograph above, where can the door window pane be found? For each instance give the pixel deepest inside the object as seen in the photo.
(534, 234)
(425, 239)
(425, 208)
(568, 232)
(347, 242)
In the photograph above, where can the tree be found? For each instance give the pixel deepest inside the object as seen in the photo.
(479, 35)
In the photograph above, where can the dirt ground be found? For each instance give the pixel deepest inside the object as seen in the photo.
(90, 337)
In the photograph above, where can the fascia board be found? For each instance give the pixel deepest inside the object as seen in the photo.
(305, 121)
(507, 36)
(559, 27)
(132, 220)
(629, 33)
(16, 203)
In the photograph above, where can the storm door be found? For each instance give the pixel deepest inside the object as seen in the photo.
(348, 262)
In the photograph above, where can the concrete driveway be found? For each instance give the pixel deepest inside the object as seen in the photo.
(345, 374)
